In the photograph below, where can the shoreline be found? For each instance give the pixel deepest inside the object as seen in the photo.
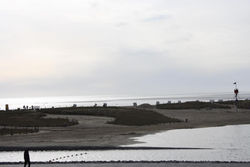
(137, 164)
(94, 148)
(127, 162)
(94, 131)
(105, 148)
(198, 124)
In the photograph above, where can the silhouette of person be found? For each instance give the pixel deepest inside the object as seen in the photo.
(26, 158)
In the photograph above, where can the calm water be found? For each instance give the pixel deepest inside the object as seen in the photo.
(228, 143)
(66, 101)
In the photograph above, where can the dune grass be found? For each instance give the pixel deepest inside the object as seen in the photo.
(32, 119)
(244, 104)
(12, 131)
(122, 115)
(192, 105)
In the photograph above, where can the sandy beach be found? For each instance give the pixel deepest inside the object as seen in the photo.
(94, 131)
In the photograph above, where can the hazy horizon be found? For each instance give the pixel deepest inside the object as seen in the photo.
(117, 47)
(117, 96)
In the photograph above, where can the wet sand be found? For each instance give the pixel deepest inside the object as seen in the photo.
(94, 131)
(139, 164)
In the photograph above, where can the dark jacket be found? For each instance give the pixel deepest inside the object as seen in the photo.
(26, 155)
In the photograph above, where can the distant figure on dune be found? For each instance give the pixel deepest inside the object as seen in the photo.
(26, 158)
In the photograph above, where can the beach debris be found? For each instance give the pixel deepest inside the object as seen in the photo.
(65, 158)
(6, 107)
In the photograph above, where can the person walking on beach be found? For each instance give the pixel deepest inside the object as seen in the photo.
(26, 158)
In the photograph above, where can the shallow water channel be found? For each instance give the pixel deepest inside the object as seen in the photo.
(227, 143)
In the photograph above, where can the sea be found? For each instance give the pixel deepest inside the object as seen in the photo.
(111, 100)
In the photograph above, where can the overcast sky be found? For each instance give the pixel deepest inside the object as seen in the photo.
(123, 47)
